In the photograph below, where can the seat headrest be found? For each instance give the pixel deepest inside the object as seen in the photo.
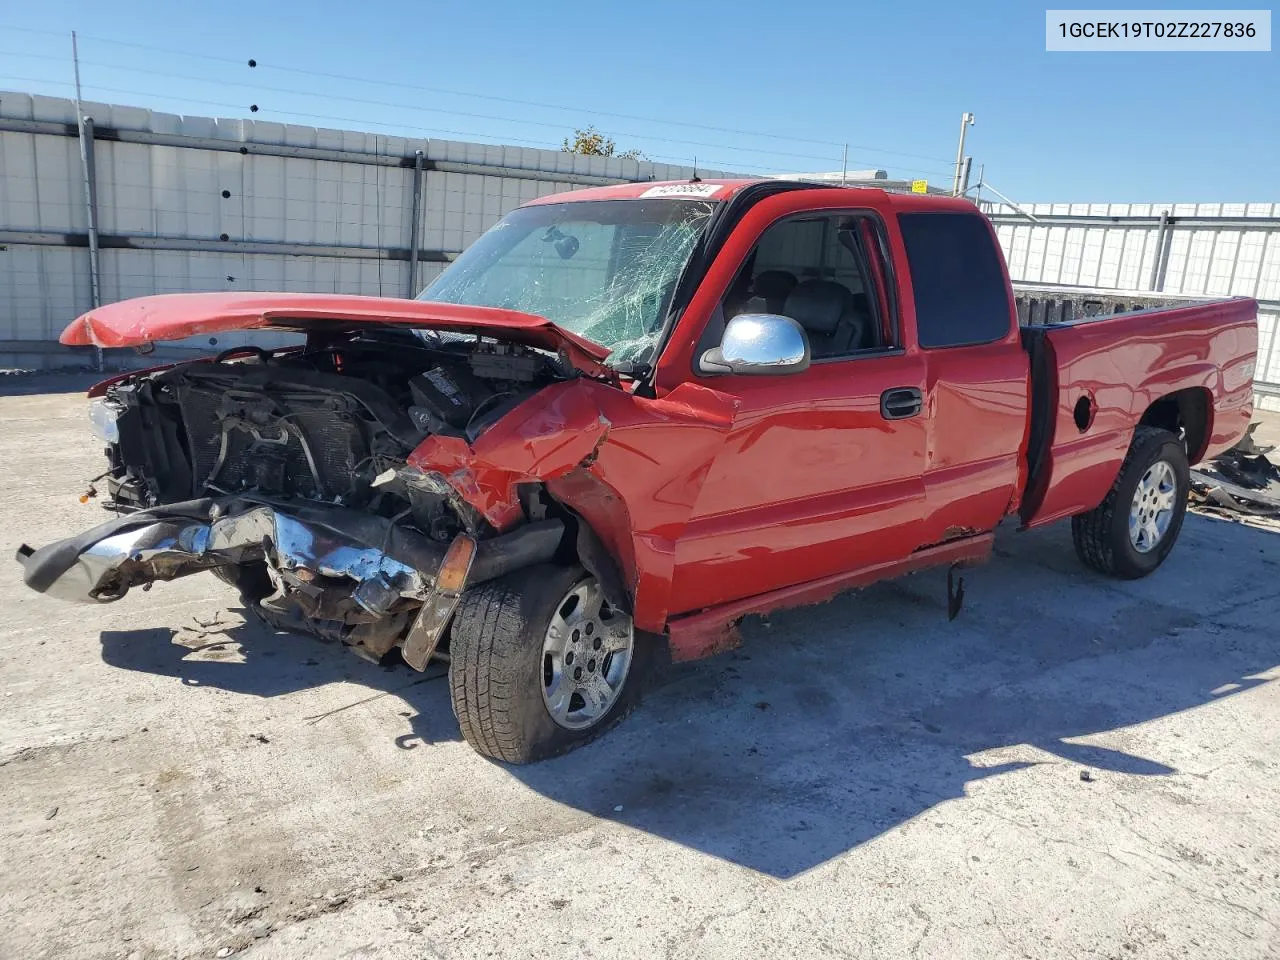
(818, 305)
(773, 284)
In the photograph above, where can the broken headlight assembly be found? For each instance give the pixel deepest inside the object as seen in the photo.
(104, 415)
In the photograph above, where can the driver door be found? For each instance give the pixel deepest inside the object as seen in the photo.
(821, 473)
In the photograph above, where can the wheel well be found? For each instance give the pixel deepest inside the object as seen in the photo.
(1184, 413)
(599, 532)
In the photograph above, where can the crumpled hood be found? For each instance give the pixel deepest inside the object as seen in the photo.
(132, 323)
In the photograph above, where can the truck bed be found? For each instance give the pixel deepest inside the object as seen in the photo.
(1095, 379)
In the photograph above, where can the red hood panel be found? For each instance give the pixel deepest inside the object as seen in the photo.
(132, 323)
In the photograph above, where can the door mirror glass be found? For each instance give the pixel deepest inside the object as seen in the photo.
(760, 344)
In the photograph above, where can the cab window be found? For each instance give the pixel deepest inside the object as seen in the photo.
(960, 294)
(814, 269)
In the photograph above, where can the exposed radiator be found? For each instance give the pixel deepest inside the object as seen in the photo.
(245, 440)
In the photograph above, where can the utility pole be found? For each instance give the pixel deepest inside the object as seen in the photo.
(966, 121)
(84, 127)
(75, 63)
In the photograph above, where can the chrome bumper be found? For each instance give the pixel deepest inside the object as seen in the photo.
(167, 548)
(385, 562)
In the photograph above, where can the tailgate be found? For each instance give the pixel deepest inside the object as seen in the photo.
(1093, 381)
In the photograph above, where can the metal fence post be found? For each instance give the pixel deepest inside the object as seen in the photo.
(416, 216)
(91, 209)
(1159, 261)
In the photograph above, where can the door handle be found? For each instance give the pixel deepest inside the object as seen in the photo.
(900, 403)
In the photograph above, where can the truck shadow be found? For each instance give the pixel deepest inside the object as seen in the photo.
(837, 723)
(834, 724)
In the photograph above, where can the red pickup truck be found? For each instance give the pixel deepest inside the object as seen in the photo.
(627, 417)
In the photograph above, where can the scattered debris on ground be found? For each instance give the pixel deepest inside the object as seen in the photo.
(1242, 480)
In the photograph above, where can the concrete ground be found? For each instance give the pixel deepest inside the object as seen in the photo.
(1076, 767)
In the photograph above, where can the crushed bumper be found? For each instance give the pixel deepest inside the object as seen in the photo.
(102, 564)
(330, 565)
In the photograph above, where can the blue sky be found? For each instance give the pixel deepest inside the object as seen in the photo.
(793, 81)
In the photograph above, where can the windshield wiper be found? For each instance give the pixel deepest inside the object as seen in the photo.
(630, 368)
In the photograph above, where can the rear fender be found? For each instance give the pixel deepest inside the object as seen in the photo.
(1107, 373)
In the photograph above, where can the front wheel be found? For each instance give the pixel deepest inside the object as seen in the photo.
(1130, 533)
(540, 663)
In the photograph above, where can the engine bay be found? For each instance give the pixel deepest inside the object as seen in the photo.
(330, 422)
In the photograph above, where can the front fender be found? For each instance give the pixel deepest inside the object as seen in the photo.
(631, 466)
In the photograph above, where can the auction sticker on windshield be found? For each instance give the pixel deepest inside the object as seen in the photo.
(694, 191)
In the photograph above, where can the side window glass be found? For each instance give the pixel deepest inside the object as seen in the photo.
(958, 285)
(812, 270)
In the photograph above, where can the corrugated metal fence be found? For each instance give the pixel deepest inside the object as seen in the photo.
(202, 204)
(197, 203)
(1152, 253)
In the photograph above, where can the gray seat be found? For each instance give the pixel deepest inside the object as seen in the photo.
(773, 287)
(830, 316)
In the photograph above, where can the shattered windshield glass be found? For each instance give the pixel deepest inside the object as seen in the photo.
(604, 269)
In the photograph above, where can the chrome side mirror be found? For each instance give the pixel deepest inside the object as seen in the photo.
(758, 344)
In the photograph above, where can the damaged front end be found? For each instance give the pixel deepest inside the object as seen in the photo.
(338, 573)
(289, 475)
(353, 486)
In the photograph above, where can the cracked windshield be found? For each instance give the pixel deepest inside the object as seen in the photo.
(604, 269)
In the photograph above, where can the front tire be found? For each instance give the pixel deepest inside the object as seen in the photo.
(541, 663)
(1131, 532)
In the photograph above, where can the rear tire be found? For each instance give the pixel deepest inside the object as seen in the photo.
(1130, 533)
(503, 685)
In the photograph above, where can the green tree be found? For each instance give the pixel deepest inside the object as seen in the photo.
(592, 143)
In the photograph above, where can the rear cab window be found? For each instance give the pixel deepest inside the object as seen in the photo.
(957, 279)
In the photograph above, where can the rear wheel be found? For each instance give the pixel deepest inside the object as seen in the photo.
(541, 662)
(1130, 533)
